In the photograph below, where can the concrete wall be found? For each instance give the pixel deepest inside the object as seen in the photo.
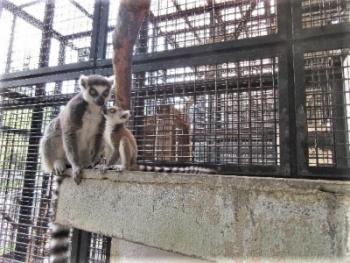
(128, 252)
(214, 217)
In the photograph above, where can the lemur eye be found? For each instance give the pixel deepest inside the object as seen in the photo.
(124, 116)
(105, 93)
(93, 92)
(112, 111)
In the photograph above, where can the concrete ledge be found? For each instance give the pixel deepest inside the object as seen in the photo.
(214, 217)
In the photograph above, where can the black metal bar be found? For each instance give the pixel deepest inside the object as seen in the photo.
(67, 75)
(25, 212)
(300, 112)
(286, 90)
(214, 57)
(108, 249)
(333, 42)
(103, 30)
(47, 71)
(84, 245)
(74, 255)
(322, 32)
(95, 31)
(80, 246)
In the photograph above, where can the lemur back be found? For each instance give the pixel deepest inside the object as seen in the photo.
(120, 146)
(74, 138)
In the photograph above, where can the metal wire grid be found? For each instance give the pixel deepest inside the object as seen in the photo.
(98, 249)
(327, 88)
(223, 114)
(67, 37)
(25, 190)
(316, 13)
(174, 24)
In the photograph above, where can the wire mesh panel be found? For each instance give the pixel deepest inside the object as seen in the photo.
(210, 114)
(98, 248)
(327, 88)
(173, 24)
(227, 114)
(25, 191)
(65, 32)
(316, 13)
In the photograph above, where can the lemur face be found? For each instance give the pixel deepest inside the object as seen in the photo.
(116, 115)
(96, 89)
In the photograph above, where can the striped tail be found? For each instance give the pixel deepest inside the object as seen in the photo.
(167, 169)
(59, 243)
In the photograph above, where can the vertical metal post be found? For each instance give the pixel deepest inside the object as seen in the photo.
(95, 31)
(300, 137)
(80, 246)
(103, 30)
(286, 90)
(26, 203)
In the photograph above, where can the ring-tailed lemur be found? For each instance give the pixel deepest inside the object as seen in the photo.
(74, 138)
(120, 146)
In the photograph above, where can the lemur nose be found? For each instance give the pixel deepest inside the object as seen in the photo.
(100, 101)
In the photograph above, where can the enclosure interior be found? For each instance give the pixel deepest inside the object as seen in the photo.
(249, 87)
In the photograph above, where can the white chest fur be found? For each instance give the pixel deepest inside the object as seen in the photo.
(87, 133)
(108, 147)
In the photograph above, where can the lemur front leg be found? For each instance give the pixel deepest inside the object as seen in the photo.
(111, 158)
(125, 153)
(71, 149)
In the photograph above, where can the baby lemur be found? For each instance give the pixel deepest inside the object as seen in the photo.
(119, 143)
(74, 138)
(120, 148)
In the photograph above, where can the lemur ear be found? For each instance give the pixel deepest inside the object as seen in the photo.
(126, 114)
(83, 81)
(111, 79)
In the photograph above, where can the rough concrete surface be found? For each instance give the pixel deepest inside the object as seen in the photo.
(127, 252)
(215, 217)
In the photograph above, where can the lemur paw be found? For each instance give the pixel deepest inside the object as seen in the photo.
(117, 168)
(102, 167)
(77, 176)
(59, 167)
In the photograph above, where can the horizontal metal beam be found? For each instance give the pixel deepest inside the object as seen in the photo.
(47, 71)
(8, 93)
(258, 47)
(14, 131)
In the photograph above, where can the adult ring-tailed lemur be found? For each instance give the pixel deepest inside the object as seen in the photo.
(74, 138)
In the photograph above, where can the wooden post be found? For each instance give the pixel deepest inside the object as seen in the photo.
(130, 16)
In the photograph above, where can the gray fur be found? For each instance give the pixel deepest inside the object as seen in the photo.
(74, 137)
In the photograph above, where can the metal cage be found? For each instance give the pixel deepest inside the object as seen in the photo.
(252, 87)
